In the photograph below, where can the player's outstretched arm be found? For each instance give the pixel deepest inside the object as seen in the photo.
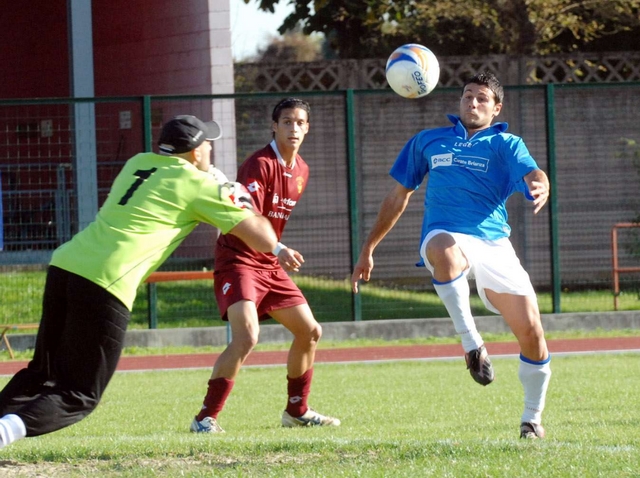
(391, 209)
(538, 184)
(257, 233)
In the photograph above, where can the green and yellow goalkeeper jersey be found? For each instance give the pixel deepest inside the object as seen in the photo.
(154, 203)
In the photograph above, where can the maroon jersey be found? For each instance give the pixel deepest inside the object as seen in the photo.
(275, 189)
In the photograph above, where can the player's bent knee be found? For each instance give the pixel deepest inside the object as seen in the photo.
(245, 343)
(91, 405)
(316, 333)
(530, 334)
(532, 340)
(80, 403)
(311, 335)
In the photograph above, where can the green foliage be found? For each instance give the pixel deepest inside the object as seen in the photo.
(292, 47)
(403, 419)
(364, 29)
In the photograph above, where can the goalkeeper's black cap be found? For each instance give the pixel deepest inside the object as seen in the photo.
(184, 133)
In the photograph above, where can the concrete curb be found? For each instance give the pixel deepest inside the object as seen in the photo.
(375, 329)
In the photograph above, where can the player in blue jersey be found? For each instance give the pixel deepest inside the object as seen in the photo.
(473, 167)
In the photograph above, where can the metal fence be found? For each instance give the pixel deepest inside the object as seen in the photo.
(584, 136)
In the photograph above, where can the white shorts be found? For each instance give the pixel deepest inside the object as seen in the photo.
(493, 264)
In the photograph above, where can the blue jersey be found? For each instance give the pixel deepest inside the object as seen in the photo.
(470, 179)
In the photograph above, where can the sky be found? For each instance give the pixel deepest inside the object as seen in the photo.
(251, 28)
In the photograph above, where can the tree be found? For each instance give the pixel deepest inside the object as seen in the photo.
(291, 47)
(371, 28)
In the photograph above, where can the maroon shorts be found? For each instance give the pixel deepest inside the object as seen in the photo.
(269, 290)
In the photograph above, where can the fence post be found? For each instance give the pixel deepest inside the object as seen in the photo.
(146, 123)
(553, 199)
(152, 307)
(353, 197)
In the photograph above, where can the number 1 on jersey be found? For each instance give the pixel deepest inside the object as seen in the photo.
(143, 175)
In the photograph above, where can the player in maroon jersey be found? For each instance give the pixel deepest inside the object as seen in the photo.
(251, 286)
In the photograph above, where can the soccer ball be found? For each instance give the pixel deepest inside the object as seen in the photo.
(412, 71)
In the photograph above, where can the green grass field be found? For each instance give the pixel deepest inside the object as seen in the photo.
(192, 303)
(402, 419)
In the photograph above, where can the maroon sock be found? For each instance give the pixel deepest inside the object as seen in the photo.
(298, 390)
(217, 393)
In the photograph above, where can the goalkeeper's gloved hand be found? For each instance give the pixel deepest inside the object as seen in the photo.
(238, 194)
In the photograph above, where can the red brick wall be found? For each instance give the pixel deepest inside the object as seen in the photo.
(151, 47)
(140, 47)
(33, 50)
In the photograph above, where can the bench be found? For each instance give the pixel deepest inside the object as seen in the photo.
(7, 327)
(167, 276)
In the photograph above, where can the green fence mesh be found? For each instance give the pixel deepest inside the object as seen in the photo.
(594, 142)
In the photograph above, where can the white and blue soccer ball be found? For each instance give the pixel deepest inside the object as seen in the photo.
(412, 71)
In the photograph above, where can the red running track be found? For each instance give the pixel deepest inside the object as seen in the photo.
(359, 354)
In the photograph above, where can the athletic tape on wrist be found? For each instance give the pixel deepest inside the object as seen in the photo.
(278, 248)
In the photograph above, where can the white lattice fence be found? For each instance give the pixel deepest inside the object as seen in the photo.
(369, 74)
(311, 76)
(584, 68)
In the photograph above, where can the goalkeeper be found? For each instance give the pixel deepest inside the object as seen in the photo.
(154, 203)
